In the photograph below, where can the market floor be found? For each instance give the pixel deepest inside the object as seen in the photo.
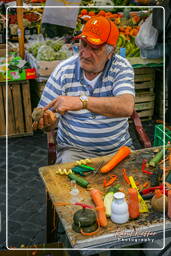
(26, 193)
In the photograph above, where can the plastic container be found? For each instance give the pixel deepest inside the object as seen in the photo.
(119, 209)
(159, 133)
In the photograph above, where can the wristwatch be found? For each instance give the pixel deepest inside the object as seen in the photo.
(84, 100)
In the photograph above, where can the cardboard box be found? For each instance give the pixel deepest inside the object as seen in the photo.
(43, 68)
(17, 75)
(2, 50)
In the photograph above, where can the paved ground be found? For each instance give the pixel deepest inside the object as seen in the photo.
(26, 197)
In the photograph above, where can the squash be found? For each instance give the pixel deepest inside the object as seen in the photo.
(84, 217)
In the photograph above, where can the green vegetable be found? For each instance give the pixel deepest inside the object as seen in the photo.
(154, 161)
(34, 48)
(46, 53)
(80, 181)
(88, 229)
(88, 167)
(114, 189)
(84, 217)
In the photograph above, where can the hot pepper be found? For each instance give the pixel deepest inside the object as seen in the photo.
(110, 182)
(125, 176)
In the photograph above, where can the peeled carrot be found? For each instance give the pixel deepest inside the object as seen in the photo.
(122, 153)
(97, 198)
(133, 203)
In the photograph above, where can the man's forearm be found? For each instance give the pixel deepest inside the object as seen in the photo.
(119, 106)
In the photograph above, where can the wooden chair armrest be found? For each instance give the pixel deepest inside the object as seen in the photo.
(140, 130)
(51, 139)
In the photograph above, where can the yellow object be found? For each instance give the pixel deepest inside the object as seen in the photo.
(143, 205)
(63, 171)
(83, 161)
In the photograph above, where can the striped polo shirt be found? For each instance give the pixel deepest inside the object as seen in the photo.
(84, 130)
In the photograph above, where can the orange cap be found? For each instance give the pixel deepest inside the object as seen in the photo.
(98, 31)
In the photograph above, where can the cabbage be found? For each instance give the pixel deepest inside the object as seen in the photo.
(34, 48)
(45, 52)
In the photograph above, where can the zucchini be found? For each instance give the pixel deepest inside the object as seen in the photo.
(80, 181)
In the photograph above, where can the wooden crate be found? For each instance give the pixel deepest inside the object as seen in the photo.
(144, 105)
(19, 109)
(144, 88)
(144, 79)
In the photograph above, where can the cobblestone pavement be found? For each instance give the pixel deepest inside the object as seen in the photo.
(26, 196)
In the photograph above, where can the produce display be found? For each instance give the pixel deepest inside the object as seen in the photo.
(17, 69)
(49, 50)
(138, 198)
(128, 24)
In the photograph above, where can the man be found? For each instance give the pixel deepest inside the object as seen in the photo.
(93, 94)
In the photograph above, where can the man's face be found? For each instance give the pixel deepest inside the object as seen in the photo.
(92, 60)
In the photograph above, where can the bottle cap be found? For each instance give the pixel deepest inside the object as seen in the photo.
(119, 195)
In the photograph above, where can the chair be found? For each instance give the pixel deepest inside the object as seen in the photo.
(145, 141)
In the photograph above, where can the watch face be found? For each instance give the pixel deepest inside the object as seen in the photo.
(83, 97)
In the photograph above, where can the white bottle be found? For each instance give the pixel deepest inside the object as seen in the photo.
(119, 208)
(74, 193)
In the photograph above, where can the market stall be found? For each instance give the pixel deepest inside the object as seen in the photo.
(130, 172)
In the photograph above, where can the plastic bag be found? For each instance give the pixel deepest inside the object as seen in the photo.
(147, 35)
(156, 53)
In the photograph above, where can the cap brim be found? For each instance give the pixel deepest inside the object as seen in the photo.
(95, 46)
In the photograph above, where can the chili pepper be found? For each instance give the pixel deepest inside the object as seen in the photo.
(125, 176)
(110, 182)
(148, 190)
(143, 167)
(145, 184)
(84, 205)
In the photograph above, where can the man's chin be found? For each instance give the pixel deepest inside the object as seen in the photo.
(86, 67)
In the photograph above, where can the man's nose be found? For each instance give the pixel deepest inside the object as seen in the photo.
(85, 52)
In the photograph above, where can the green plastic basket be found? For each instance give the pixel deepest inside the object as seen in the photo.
(159, 135)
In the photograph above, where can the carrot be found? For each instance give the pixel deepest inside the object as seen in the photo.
(133, 203)
(122, 153)
(97, 198)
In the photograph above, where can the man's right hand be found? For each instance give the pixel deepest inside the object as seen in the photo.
(47, 122)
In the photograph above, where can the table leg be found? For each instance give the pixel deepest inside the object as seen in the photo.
(51, 221)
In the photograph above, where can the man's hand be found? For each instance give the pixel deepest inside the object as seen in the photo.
(63, 104)
(47, 121)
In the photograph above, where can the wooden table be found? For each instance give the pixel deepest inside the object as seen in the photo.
(58, 190)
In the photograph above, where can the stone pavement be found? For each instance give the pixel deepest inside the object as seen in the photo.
(26, 195)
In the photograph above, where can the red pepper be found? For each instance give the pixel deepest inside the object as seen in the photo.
(84, 205)
(148, 190)
(143, 167)
(126, 178)
(110, 182)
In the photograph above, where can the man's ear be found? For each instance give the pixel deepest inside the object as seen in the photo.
(111, 54)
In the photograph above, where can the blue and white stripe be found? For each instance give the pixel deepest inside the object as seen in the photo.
(82, 129)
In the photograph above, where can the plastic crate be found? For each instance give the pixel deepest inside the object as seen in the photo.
(159, 133)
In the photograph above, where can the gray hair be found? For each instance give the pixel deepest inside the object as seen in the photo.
(109, 48)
